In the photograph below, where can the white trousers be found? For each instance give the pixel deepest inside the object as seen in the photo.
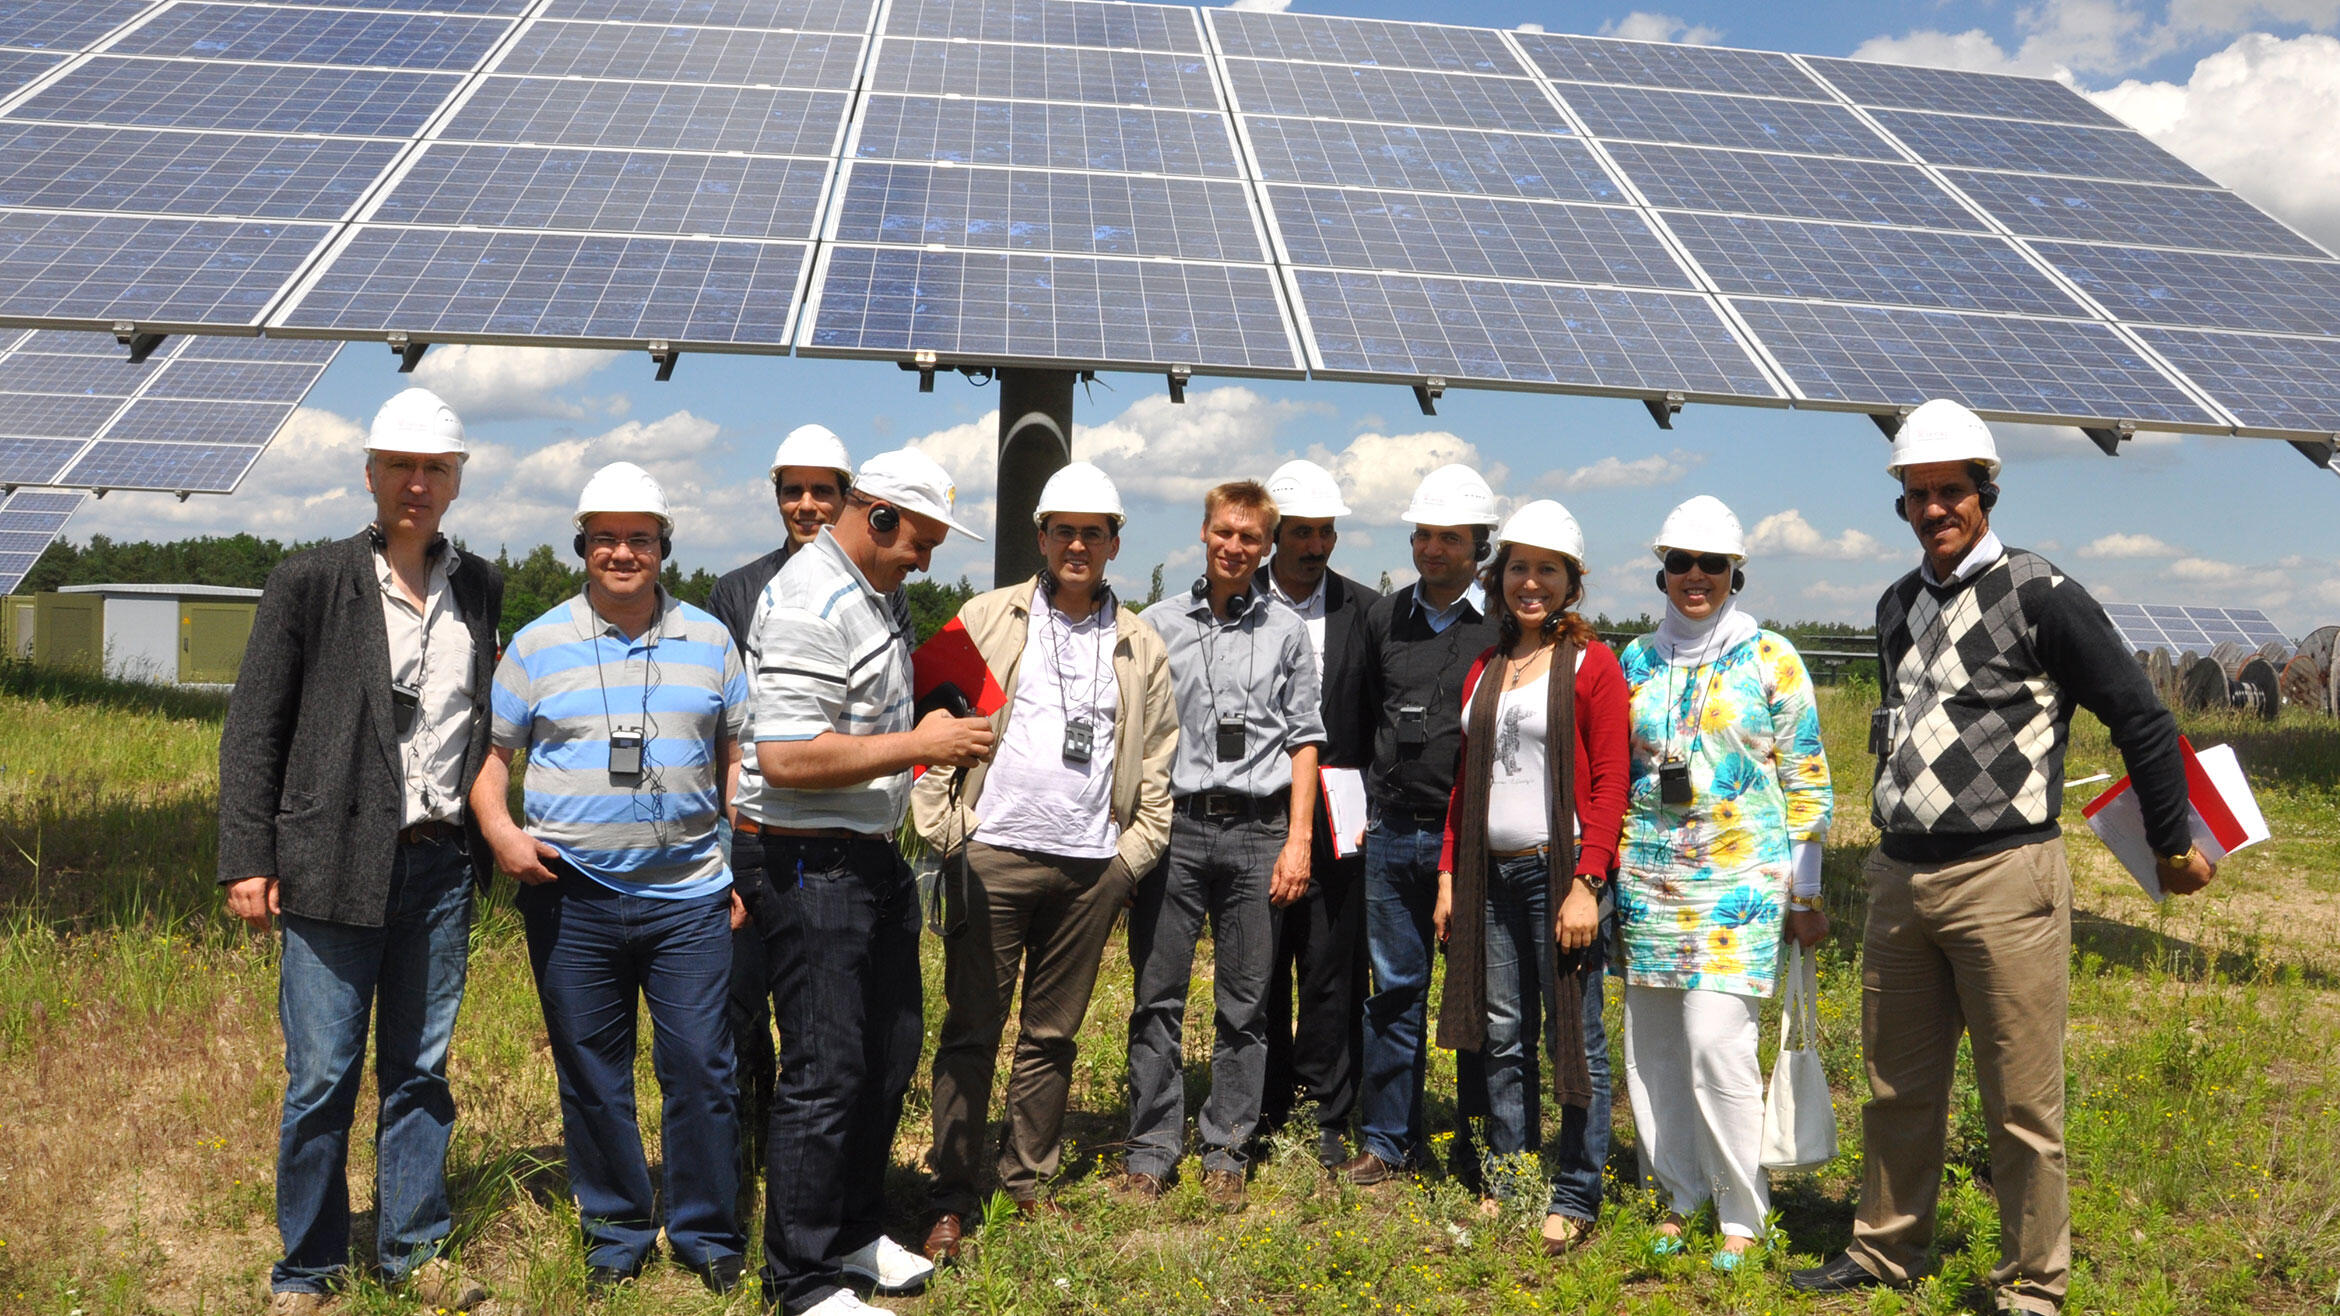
(1697, 1088)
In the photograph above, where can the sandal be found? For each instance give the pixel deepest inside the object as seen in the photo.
(1572, 1232)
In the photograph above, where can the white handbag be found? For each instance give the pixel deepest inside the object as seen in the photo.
(1799, 1121)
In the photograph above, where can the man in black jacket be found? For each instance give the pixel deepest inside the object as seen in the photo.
(810, 476)
(1317, 975)
(356, 729)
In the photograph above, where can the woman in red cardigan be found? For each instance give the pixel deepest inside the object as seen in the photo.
(1521, 917)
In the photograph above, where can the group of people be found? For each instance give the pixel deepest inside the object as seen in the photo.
(711, 802)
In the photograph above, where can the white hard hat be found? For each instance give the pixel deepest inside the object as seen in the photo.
(1702, 525)
(1452, 495)
(912, 482)
(813, 445)
(623, 487)
(1943, 431)
(1306, 490)
(1080, 487)
(1545, 524)
(416, 421)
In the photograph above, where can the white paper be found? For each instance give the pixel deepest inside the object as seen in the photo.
(2120, 824)
(1344, 807)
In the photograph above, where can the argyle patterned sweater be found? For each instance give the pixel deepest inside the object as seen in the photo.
(1986, 672)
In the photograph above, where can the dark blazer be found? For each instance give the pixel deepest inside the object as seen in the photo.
(1348, 714)
(310, 788)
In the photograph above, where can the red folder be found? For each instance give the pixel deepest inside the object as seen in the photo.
(951, 658)
(2201, 792)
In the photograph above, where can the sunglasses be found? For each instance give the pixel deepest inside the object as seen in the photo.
(1678, 562)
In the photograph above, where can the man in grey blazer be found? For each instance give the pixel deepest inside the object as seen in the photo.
(357, 726)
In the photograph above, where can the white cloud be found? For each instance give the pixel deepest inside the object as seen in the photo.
(485, 382)
(1828, 591)
(969, 451)
(1529, 27)
(1171, 451)
(309, 484)
(1619, 473)
(1788, 534)
(1378, 472)
(1643, 25)
(2127, 546)
(2058, 37)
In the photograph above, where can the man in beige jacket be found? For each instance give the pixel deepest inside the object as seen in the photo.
(1053, 834)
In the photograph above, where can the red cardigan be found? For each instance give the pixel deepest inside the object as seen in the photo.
(1602, 762)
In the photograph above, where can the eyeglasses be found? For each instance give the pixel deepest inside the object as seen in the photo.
(638, 545)
(1092, 535)
(1678, 562)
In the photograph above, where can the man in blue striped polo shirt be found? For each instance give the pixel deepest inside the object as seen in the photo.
(630, 704)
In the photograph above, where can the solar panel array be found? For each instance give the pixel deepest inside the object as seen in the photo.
(29, 519)
(1100, 184)
(2146, 626)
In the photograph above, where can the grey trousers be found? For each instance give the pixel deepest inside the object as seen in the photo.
(1218, 869)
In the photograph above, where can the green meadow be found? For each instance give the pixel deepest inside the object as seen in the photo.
(140, 1069)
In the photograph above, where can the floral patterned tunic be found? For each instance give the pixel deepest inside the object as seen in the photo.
(1701, 891)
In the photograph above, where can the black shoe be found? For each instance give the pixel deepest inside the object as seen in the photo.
(1332, 1148)
(721, 1274)
(1843, 1275)
(601, 1279)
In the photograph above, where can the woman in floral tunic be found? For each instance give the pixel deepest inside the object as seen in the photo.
(1729, 804)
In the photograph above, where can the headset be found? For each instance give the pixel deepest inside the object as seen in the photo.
(381, 542)
(1985, 488)
(665, 545)
(1236, 606)
(1482, 543)
(884, 519)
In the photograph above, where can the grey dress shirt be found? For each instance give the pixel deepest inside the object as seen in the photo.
(1260, 667)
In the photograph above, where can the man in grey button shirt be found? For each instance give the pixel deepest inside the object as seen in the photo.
(1243, 788)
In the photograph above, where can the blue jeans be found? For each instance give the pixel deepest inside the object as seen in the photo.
(597, 953)
(1401, 891)
(408, 976)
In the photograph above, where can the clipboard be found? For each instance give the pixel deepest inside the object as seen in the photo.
(2226, 816)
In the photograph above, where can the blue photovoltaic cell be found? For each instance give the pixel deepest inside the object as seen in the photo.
(2129, 213)
(1884, 357)
(2197, 630)
(1076, 309)
(314, 36)
(2038, 148)
(1036, 210)
(255, 98)
(1428, 159)
(54, 416)
(236, 381)
(1036, 73)
(2206, 290)
(1679, 68)
(685, 54)
(1436, 47)
(66, 25)
(18, 67)
(435, 283)
(151, 171)
(511, 187)
(102, 268)
(1121, 139)
(1524, 333)
(798, 15)
(1475, 236)
(44, 502)
(1844, 262)
(1050, 23)
(1446, 100)
(1790, 186)
(761, 121)
(1899, 86)
(1706, 120)
(2268, 382)
(25, 371)
(36, 461)
(212, 347)
(185, 420)
(175, 467)
(508, 8)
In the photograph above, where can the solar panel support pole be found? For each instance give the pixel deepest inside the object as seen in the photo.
(409, 353)
(1179, 376)
(1889, 421)
(2110, 440)
(1427, 393)
(1663, 410)
(2323, 452)
(1035, 442)
(663, 355)
(141, 345)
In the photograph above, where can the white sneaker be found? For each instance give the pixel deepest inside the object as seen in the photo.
(890, 1266)
(844, 1303)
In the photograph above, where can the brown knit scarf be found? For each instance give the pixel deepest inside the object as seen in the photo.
(1462, 1013)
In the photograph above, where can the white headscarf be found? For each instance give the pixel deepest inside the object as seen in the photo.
(1686, 642)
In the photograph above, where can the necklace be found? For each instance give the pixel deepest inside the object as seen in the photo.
(1518, 674)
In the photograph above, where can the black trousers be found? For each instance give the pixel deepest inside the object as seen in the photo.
(1315, 1000)
(750, 1008)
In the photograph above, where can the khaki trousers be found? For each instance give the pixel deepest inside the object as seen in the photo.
(1982, 946)
(1043, 919)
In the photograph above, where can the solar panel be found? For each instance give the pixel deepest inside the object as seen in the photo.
(513, 187)
(49, 25)
(684, 54)
(2191, 629)
(43, 415)
(1036, 210)
(1677, 68)
(1040, 134)
(161, 273)
(36, 461)
(254, 98)
(193, 467)
(235, 381)
(1843, 262)
(154, 171)
(2115, 154)
(2128, 213)
(1789, 186)
(1484, 236)
(18, 67)
(29, 520)
(1883, 357)
(1697, 119)
(314, 36)
(1427, 159)
(1050, 23)
(1446, 100)
(108, 376)
(1326, 40)
(2204, 289)
(1955, 91)
(784, 15)
(2271, 383)
(1054, 73)
(1070, 310)
(676, 116)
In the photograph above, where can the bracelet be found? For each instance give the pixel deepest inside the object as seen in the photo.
(1804, 904)
(1589, 883)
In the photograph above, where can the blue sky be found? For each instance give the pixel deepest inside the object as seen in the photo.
(2247, 92)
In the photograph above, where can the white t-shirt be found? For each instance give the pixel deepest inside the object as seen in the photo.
(1033, 797)
(1519, 810)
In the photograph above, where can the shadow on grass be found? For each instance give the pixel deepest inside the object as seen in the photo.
(2135, 947)
(87, 689)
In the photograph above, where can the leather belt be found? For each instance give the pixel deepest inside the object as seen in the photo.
(1227, 806)
(1416, 819)
(425, 833)
(750, 827)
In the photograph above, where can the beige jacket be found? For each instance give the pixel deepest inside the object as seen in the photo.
(1145, 730)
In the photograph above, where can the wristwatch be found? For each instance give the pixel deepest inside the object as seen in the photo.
(2178, 860)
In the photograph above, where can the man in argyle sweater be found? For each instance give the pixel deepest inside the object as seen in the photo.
(1984, 651)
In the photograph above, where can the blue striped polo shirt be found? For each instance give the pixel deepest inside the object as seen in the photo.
(568, 681)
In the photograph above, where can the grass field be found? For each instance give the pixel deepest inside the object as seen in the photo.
(140, 1070)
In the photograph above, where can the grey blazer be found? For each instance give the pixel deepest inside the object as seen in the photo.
(310, 787)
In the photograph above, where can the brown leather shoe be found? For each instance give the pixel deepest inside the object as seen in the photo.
(1031, 1208)
(1366, 1169)
(1141, 1186)
(943, 1238)
(1223, 1189)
